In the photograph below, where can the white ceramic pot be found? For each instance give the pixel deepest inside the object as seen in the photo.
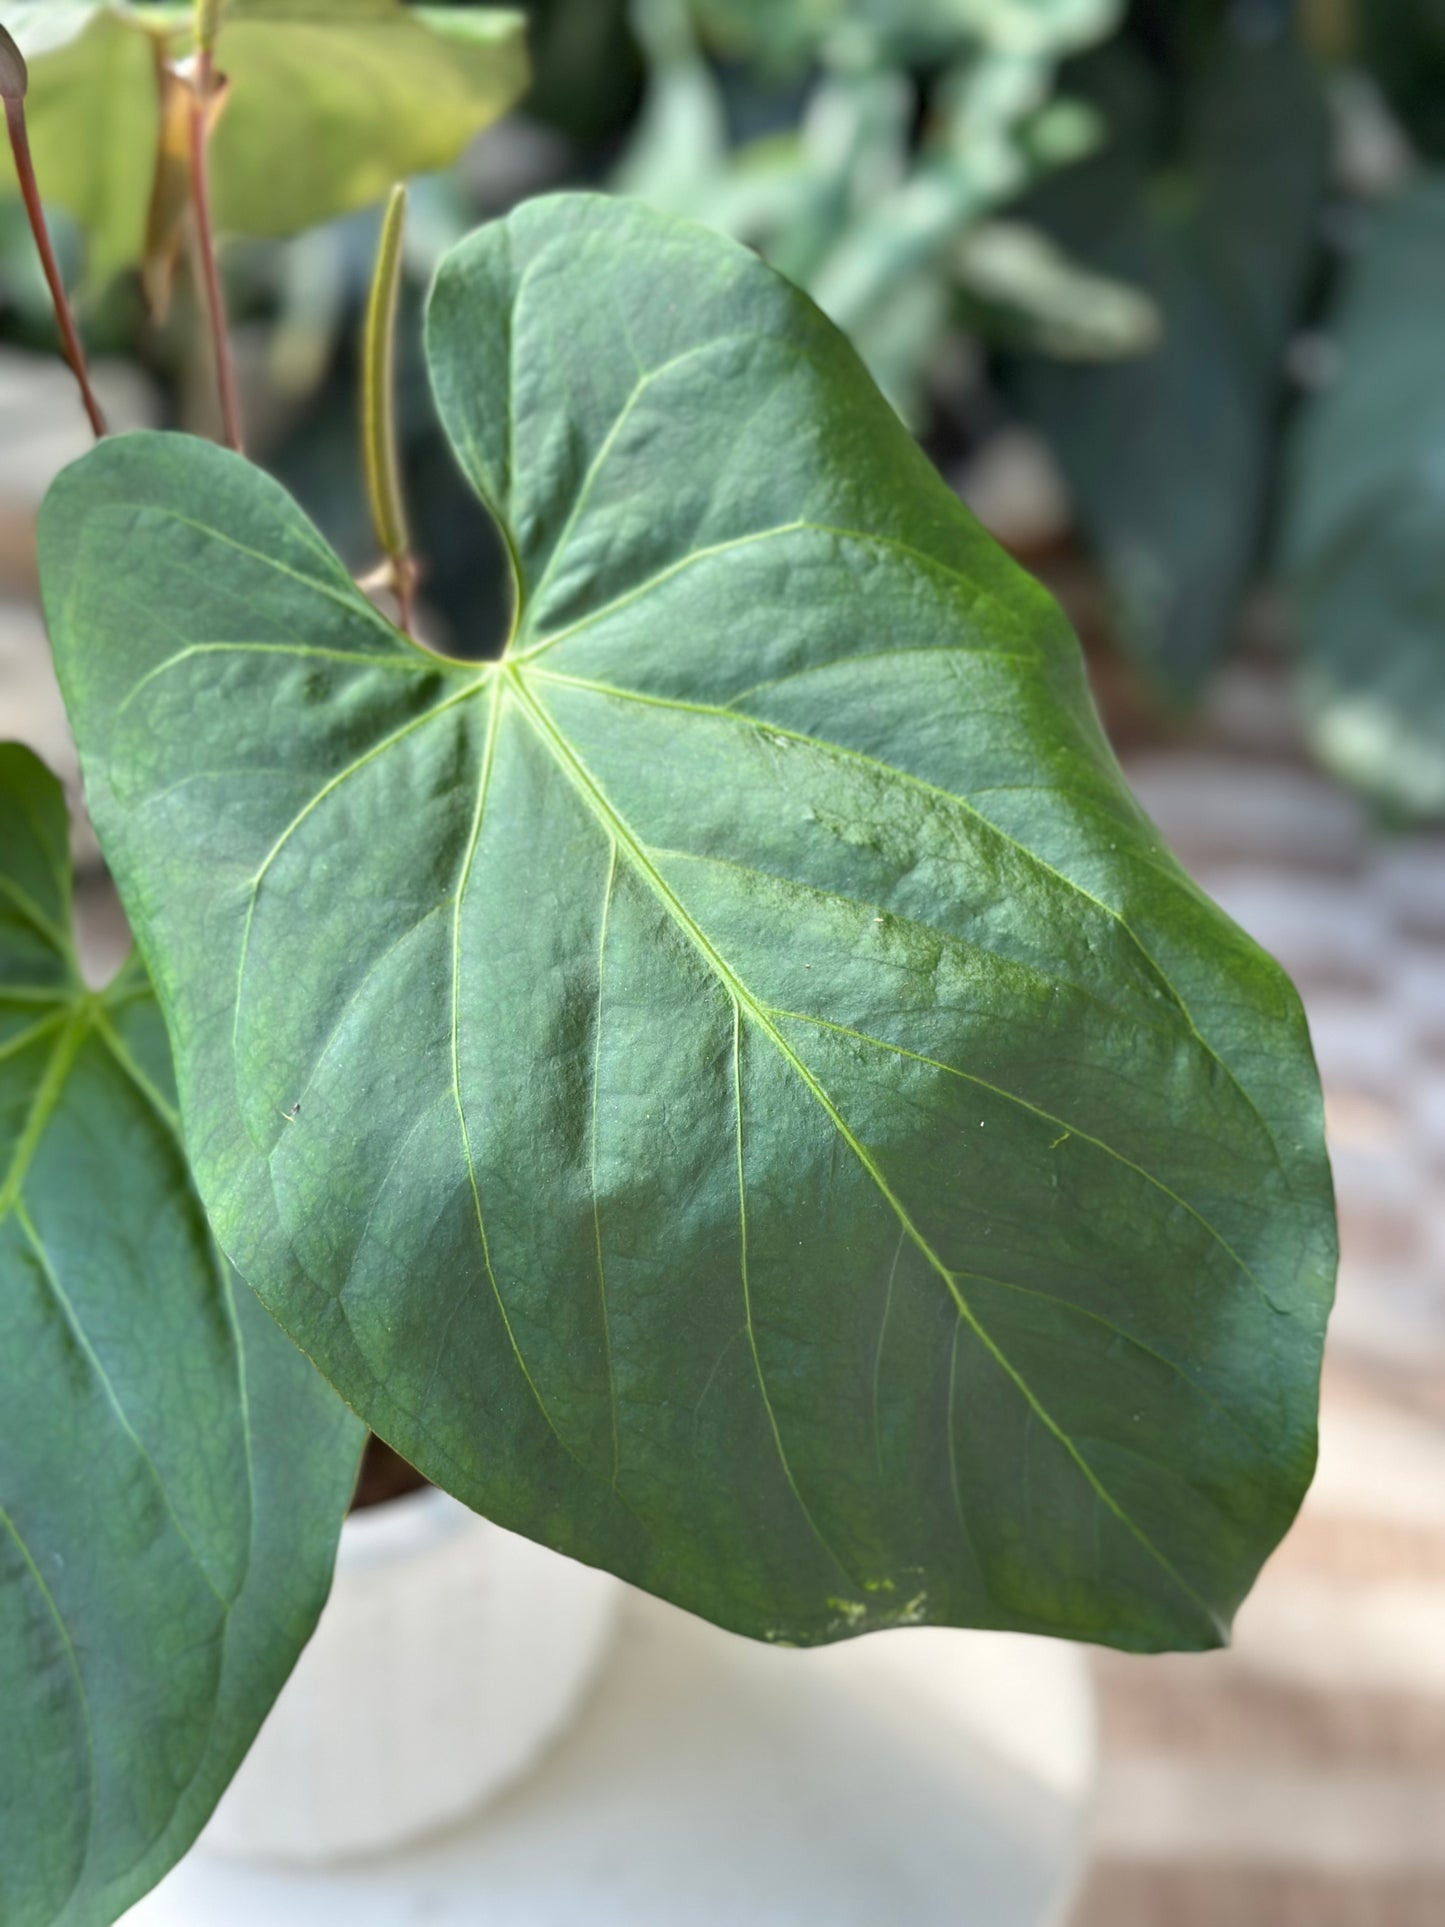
(939, 1779)
(450, 1654)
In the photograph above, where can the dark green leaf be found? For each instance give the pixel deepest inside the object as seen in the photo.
(1403, 43)
(173, 1474)
(775, 1121)
(788, 31)
(1206, 197)
(1365, 529)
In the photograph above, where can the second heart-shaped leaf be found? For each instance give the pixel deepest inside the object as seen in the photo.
(173, 1474)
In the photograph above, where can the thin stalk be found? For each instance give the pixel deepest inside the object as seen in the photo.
(378, 412)
(203, 94)
(13, 82)
(208, 24)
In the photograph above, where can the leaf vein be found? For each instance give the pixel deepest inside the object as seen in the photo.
(592, 793)
(1032, 856)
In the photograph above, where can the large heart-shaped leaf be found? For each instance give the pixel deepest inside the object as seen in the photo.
(173, 1473)
(330, 102)
(774, 1120)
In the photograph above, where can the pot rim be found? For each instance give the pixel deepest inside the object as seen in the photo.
(402, 1528)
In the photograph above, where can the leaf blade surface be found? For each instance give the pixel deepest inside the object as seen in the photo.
(775, 1121)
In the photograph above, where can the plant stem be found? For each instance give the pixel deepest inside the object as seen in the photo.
(378, 412)
(203, 90)
(30, 193)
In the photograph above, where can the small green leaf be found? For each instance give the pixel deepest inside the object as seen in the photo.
(331, 101)
(776, 1121)
(173, 1474)
(1364, 532)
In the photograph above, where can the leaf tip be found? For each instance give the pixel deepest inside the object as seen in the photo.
(14, 74)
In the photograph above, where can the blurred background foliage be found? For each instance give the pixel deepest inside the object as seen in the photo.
(1160, 283)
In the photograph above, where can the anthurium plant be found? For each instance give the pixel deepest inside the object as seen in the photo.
(733, 1087)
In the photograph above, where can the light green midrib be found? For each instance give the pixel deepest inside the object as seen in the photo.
(464, 877)
(596, 799)
(407, 665)
(585, 487)
(22, 1040)
(118, 1049)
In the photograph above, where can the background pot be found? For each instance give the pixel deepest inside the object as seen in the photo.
(450, 1654)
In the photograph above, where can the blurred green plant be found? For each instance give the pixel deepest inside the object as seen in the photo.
(875, 194)
(792, 32)
(1207, 193)
(586, 69)
(1364, 534)
(321, 115)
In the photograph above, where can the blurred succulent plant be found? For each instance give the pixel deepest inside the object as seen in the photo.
(913, 126)
(1207, 193)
